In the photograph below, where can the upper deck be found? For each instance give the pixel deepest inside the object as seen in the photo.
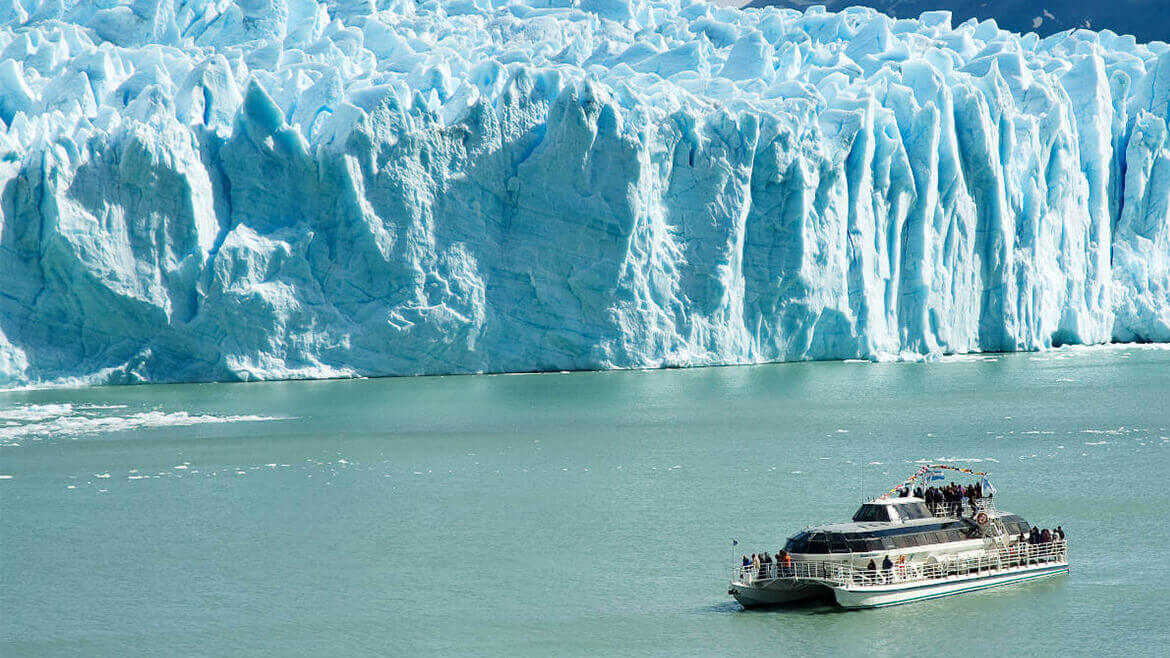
(948, 526)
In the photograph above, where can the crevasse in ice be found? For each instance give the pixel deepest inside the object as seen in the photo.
(204, 189)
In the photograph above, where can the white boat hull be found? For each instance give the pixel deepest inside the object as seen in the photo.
(877, 596)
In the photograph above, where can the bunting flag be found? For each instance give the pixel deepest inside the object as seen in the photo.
(961, 470)
(933, 472)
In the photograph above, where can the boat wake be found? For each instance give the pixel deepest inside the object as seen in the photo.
(39, 422)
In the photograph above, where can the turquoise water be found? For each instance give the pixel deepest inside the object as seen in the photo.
(566, 514)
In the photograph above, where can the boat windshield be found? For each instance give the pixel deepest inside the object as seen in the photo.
(872, 513)
(900, 512)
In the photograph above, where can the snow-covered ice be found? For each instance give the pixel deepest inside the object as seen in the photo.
(208, 190)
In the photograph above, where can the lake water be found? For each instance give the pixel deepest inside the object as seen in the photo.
(566, 514)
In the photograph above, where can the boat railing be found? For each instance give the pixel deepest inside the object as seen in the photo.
(946, 566)
(955, 510)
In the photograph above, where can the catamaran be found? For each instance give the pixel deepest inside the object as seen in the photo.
(899, 549)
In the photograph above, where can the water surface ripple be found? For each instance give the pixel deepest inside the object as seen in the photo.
(565, 514)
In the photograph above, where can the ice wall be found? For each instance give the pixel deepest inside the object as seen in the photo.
(202, 189)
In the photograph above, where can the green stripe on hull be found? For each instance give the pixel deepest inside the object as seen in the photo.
(939, 595)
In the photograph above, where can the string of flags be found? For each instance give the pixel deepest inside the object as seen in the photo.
(933, 473)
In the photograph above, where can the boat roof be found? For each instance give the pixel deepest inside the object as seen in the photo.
(873, 526)
(870, 526)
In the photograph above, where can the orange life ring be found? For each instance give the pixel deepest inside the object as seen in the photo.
(982, 518)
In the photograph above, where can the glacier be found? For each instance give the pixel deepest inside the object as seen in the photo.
(196, 190)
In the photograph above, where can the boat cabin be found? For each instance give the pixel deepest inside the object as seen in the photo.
(892, 524)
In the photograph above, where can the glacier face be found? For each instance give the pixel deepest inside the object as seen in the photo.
(210, 190)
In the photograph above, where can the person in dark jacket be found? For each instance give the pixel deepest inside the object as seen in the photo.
(888, 569)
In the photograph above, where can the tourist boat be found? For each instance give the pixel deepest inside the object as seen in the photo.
(898, 550)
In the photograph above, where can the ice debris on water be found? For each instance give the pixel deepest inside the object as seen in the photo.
(199, 189)
(68, 421)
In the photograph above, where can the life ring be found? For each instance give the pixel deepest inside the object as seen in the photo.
(982, 518)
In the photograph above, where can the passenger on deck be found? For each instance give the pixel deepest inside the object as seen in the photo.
(1046, 536)
(918, 492)
(746, 561)
(871, 571)
(1060, 533)
(887, 569)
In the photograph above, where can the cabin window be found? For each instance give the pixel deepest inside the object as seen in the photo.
(871, 513)
(837, 544)
(817, 543)
(913, 511)
(797, 544)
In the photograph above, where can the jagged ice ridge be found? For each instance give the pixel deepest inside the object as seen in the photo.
(206, 190)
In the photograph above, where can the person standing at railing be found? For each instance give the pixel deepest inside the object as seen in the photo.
(887, 569)
(1060, 533)
(786, 560)
(746, 562)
